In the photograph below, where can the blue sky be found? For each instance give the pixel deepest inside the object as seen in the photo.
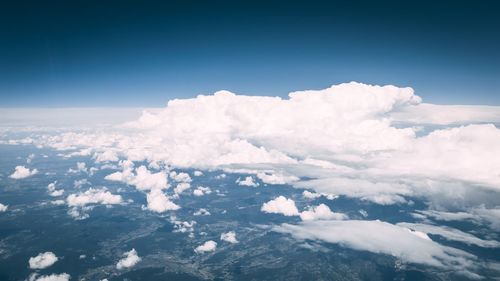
(142, 53)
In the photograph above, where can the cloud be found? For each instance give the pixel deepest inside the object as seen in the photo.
(53, 191)
(42, 260)
(208, 246)
(130, 259)
(3, 208)
(93, 196)
(202, 190)
(383, 238)
(181, 187)
(51, 277)
(248, 181)
(229, 237)
(280, 205)
(198, 173)
(451, 234)
(142, 178)
(202, 212)
(321, 212)
(180, 177)
(159, 202)
(22, 172)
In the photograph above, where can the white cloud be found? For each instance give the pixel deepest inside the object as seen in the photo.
(198, 173)
(229, 237)
(42, 260)
(180, 177)
(202, 212)
(53, 191)
(313, 195)
(51, 277)
(22, 172)
(159, 202)
(93, 196)
(280, 205)
(277, 178)
(383, 238)
(451, 234)
(248, 181)
(142, 179)
(321, 212)
(202, 190)
(3, 207)
(208, 246)
(130, 259)
(181, 187)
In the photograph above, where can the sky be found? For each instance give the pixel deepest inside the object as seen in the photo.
(143, 53)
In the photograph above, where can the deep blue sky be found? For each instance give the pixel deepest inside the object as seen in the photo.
(142, 53)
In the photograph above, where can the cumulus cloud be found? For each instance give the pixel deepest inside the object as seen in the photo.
(159, 202)
(53, 191)
(383, 238)
(229, 237)
(181, 187)
(22, 172)
(202, 190)
(130, 259)
(280, 205)
(321, 212)
(3, 207)
(93, 196)
(208, 246)
(42, 260)
(247, 181)
(142, 178)
(180, 177)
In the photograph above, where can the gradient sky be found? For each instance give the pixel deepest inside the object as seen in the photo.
(142, 53)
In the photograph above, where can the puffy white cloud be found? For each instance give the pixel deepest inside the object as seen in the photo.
(351, 139)
(42, 260)
(198, 173)
(142, 179)
(130, 259)
(93, 196)
(180, 177)
(181, 187)
(208, 246)
(3, 207)
(53, 191)
(384, 238)
(159, 202)
(248, 181)
(22, 172)
(280, 205)
(321, 212)
(314, 195)
(202, 190)
(51, 277)
(229, 237)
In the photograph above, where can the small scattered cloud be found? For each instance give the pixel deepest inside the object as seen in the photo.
(3, 208)
(130, 259)
(159, 202)
(22, 172)
(229, 237)
(208, 246)
(51, 277)
(247, 181)
(42, 260)
(280, 205)
(202, 190)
